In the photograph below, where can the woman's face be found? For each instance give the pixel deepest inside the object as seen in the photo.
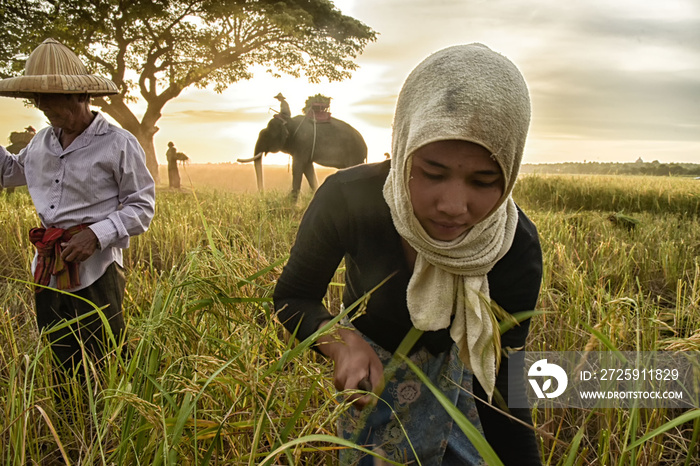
(453, 186)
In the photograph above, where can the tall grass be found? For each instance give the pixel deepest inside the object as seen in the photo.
(196, 386)
(203, 383)
(652, 194)
(639, 287)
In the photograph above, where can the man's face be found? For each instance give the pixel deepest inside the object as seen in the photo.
(453, 186)
(62, 110)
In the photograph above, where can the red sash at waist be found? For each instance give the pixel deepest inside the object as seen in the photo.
(49, 261)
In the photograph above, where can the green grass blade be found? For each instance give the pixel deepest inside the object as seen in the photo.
(606, 341)
(303, 345)
(682, 419)
(327, 439)
(517, 318)
(472, 433)
(261, 272)
(572, 453)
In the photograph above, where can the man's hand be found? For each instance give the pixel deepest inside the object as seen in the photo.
(355, 363)
(81, 246)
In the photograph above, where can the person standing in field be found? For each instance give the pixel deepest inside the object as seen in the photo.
(92, 191)
(19, 141)
(173, 171)
(437, 227)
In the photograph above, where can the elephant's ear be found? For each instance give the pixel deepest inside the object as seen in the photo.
(280, 127)
(273, 137)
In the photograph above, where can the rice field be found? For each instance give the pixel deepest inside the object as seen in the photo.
(211, 378)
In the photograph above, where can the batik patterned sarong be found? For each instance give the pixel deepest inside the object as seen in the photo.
(409, 422)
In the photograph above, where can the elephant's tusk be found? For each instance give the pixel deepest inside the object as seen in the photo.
(252, 159)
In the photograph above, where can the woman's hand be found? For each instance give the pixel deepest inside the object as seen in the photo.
(355, 362)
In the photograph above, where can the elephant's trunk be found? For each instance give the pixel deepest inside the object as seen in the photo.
(257, 156)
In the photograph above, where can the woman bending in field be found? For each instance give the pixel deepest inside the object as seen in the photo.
(438, 218)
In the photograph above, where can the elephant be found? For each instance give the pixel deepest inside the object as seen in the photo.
(331, 143)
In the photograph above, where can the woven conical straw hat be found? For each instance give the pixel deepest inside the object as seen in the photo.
(53, 68)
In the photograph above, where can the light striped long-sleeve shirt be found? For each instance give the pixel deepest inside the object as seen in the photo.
(100, 179)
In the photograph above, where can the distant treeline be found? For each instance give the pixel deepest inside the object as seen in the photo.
(654, 168)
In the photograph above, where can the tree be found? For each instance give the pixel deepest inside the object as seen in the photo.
(154, 49)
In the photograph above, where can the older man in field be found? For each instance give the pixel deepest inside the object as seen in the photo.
(92, 191)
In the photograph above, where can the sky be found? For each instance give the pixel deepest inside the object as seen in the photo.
(609, 81)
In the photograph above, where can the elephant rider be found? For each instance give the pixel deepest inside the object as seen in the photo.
(285, 113)
(92, 192)
(430, 238)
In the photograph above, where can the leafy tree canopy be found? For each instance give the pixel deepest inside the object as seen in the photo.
(153, 49)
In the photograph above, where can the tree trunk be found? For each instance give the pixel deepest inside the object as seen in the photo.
(145, 138)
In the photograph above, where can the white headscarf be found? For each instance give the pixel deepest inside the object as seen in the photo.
(469, 93)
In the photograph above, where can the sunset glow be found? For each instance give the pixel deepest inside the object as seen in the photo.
(609, 82)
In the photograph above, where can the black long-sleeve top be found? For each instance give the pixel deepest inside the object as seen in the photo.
(349, 218)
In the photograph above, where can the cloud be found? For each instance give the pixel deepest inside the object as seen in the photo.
(620, 105)
(622, 71)
(376, 110)
(208, 117)
(603, 75)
